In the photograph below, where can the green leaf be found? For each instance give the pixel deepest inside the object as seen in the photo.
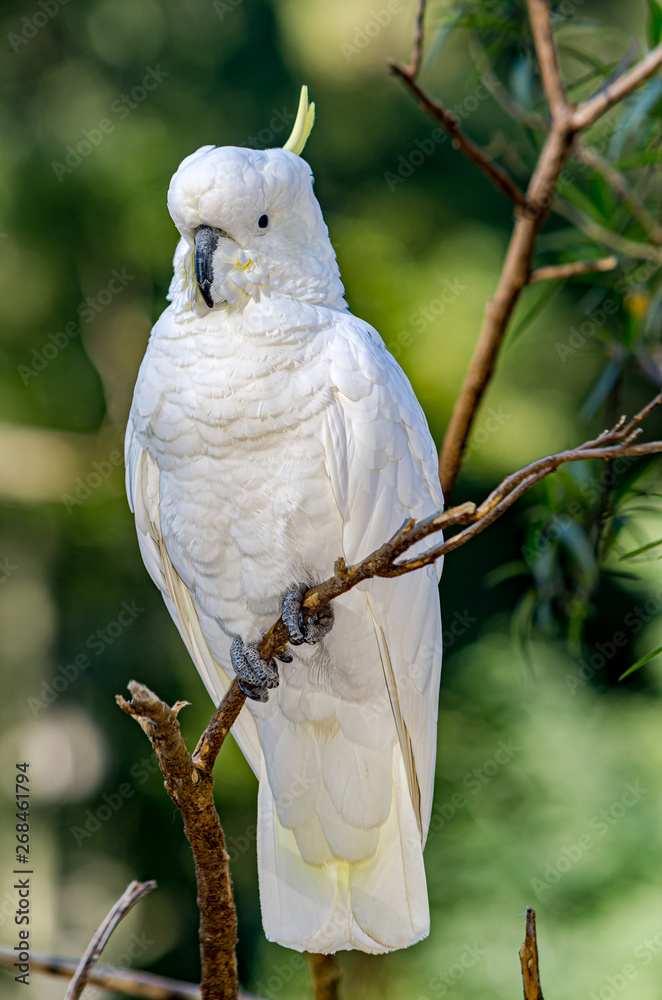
(654, 26)
(640, 160)
(642, 548)
(640, 663)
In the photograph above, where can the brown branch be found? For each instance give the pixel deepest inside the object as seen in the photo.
(326, 976)
(189, 783)
(528, 956)
(588, 156)
(559, 272)
(448, 121)
(516, 271)
(543, 39)
(121, 981)
(613, 443)
(606, 98)
(417, 51)
(100, 938)
(126, 983)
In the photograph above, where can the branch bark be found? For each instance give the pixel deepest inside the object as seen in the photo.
(528, 955)
(189, 783)
(124, 982)
(326, 976)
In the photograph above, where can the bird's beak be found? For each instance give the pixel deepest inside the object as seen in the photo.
(206, 240)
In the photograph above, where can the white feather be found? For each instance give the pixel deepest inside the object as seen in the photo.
(268, 436)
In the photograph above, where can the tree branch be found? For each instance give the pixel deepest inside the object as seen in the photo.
(497, 175)
(326, 976)
(189, 783)
(100, 938)
(516, 271)
(615, 442)
(126, 983)
(543, 39)
(528, 955)
(606, 98)
(559, 272)
(417, 51)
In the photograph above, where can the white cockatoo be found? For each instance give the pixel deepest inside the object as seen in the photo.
(271, 432)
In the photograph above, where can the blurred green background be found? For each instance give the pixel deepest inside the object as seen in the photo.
(548, 789)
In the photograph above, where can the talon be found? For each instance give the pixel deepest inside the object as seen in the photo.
(300, 630)
(255, 694)
(254, 674)
(285, 656)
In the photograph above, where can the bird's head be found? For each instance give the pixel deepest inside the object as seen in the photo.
(251, 226)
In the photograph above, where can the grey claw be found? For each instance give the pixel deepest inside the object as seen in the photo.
(300, 631)
(255, 675)
(285, 656)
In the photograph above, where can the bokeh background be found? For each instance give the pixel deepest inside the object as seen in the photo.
(548, 779)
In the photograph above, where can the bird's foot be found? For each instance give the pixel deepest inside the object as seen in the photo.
(312, 630)
(254, 674)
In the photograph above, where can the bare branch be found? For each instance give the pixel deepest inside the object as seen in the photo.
(326, 976)
(593, 229)
(100, 938)
(531, 210)
(121, 981)
(559, 272)
(189, 783)
(417, 52)
(499, 177)
(587, 155)
(543, 38)
(605, 99)
(124, 982)
(528, 955)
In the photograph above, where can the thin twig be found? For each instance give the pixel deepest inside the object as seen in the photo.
(417, 51)
(189, 783)
(326, 976)
(559, 272)
(585, 154)
(448, 121)
(543, 39)
(528, 956)
(593, 229)
(124, 982)
(100, 938)
(596, 106)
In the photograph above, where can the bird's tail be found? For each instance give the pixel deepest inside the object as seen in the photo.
(375, 905)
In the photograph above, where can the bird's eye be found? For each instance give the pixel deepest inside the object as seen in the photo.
(263, 222)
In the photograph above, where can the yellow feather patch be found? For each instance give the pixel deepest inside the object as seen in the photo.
(302, 126)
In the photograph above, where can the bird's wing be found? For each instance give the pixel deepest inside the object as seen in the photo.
(143, 479)
(383, 467)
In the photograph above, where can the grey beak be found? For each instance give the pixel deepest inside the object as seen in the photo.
(206, 240)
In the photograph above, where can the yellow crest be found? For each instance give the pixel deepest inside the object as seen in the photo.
(302, 126)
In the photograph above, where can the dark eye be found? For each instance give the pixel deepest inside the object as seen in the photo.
(263, 222)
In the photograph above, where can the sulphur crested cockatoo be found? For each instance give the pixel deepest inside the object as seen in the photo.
(271, 432)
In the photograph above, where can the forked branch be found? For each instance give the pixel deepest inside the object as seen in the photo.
(531, 208)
